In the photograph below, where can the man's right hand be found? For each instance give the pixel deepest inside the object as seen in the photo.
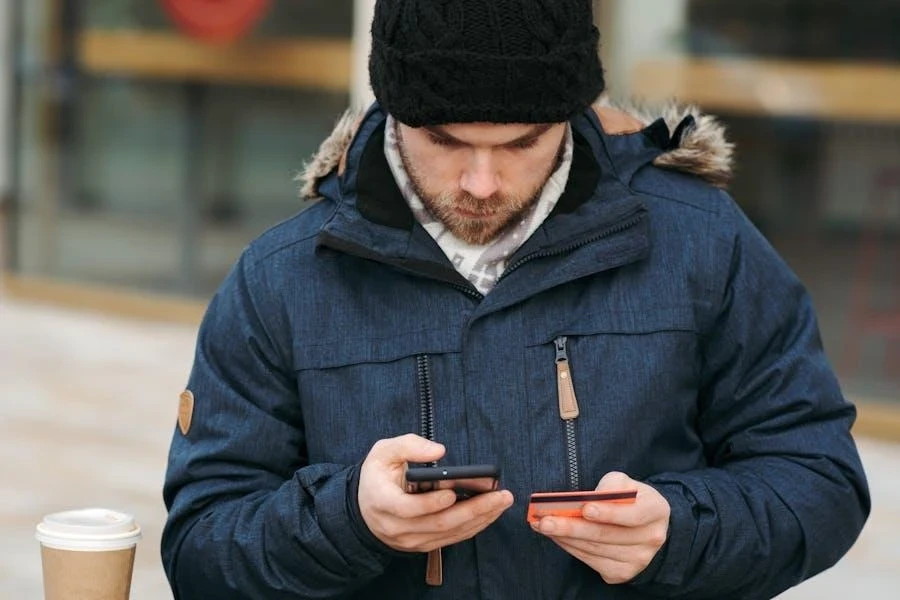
(419, 522)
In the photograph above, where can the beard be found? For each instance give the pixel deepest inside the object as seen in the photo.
(476, 221)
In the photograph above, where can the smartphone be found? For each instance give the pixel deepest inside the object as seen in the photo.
(570, 504)
(466, 481)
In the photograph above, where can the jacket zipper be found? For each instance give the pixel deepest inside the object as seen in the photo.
(434, 567)
(568, 406)
(568, 410)
(426, 399)
(619, 227)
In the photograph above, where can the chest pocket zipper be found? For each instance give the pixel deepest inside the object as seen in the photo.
(426, 399)
(434, 569)
(568, 410)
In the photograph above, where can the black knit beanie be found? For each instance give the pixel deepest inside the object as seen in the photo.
(435, 62)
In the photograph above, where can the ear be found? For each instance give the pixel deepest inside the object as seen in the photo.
(617, 122)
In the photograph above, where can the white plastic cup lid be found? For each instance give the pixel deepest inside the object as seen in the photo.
(89, 529)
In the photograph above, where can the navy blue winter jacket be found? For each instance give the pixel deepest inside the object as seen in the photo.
(694, 353)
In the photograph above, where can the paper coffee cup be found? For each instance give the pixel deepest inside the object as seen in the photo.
(88, 553)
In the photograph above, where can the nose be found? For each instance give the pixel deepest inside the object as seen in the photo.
(480, 178)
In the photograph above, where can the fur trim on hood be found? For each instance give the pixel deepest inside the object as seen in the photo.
(700, 149)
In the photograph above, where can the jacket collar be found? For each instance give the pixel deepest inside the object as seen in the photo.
(351, 170)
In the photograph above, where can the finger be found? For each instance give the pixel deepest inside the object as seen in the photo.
(470, 530)
(621, 515)
(626, 515)
(613, 535)
(476, 513)
(614, 481)
(417, 513)
(399, 504)
(649, 507)
(633, 555)
(406, 448)
(612, 571)
(447, 528)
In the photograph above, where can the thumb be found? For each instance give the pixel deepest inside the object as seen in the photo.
(614, 481)
(406, 448)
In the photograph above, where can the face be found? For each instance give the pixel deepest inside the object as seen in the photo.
(478, 179)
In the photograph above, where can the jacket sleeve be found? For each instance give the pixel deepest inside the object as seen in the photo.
(784, 495)
(248, 516)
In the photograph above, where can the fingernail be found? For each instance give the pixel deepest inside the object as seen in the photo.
(592, 512)
(448, 500)
(548, 526)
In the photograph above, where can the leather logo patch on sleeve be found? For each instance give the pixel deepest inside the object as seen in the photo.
(185, 411)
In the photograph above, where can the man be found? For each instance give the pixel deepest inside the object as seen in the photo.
(491, 276)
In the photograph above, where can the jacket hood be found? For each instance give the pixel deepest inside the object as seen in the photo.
(698, 144)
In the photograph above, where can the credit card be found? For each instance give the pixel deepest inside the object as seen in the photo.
(570, 504)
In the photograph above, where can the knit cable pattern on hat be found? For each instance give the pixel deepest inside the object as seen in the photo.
(501, 61)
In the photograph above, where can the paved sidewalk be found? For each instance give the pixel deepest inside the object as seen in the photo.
(87, 409)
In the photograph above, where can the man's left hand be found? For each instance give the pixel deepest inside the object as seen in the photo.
(617, 540)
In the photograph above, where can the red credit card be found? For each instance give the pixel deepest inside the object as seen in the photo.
(570, 504)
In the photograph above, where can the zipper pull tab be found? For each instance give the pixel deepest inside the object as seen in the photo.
(561, 348)
(568, 404)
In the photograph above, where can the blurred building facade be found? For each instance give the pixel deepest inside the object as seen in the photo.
(139, 156)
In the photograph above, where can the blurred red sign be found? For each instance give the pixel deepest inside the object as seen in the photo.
(216, 20)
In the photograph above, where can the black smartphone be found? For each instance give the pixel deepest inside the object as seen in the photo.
(466, 481)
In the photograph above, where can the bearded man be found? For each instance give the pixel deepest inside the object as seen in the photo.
(502, 271)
